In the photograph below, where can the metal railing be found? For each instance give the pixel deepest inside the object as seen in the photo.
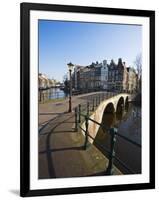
(47, 94)
(113, 132)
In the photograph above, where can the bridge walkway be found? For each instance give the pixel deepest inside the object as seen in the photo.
(51, 110)
(61, 152)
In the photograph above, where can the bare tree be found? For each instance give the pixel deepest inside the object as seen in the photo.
(138, 64)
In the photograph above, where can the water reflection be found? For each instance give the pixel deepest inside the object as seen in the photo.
(128, 122)
(52, 93)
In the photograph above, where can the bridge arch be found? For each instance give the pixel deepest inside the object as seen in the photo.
(120, 105)
(114, 104)
(126, 103)
(109, 108)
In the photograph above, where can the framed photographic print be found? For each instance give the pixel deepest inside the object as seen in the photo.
(87, 99)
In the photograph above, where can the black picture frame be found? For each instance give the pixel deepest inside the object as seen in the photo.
(25, 9)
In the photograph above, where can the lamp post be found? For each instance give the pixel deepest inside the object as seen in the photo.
(70, 67)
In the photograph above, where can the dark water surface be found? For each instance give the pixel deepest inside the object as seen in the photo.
(54, 93)
(128, 124)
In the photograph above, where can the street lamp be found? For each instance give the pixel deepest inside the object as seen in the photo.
(70, 67)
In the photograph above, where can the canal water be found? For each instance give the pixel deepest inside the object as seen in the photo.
(54, 93)
(128, 124)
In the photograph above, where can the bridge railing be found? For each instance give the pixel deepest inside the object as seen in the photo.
(92, 103)
(49, 94)
(82, 116)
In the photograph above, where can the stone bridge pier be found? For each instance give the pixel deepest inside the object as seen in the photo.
(112, 105)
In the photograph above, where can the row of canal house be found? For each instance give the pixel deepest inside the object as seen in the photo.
(44, 82)
(105, 76)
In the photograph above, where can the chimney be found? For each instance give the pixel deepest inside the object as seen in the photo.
(119, 61)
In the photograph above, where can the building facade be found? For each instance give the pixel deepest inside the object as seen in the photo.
(44, 82)
(117, 76)
(91, 77)
(132, 80)
(104, 76)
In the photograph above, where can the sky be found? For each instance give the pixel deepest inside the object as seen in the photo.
(83, 43)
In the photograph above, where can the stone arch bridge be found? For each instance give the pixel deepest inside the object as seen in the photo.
(113, 104)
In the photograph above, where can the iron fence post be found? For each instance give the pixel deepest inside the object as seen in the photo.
(79, 113)
(40, 96)
(86, 132)
(43, 97)
(76, 119)
(87, 108)
(113, 132)
(93, 105)
(96, 101)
